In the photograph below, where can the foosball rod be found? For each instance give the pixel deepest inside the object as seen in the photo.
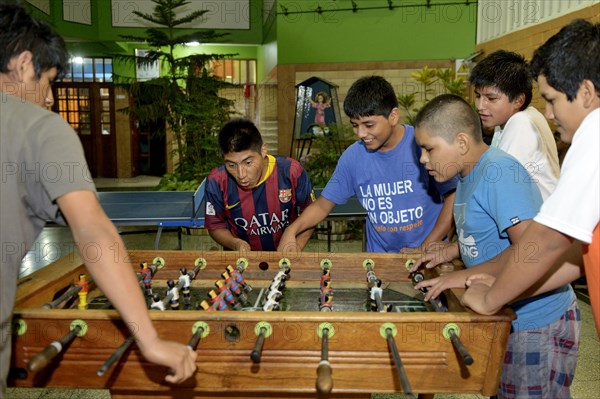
(406, 388)
(115, 356)
(71, 292)
(200, 330)
(462, 350)
(195, 338)
(42, 359)
(262, 329)
(200, 264)
(324, 379)
(256, 353)
(452, 332)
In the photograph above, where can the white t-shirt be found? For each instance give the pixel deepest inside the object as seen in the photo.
(527, 137)
(574, 206)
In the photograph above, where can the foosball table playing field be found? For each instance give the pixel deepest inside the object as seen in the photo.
(344, 325)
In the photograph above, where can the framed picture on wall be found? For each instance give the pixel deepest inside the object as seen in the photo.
(317, 108)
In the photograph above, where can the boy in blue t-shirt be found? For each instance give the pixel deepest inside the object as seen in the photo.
(405, 207)
(495, 202)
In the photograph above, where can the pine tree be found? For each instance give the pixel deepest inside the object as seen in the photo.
(186, 96)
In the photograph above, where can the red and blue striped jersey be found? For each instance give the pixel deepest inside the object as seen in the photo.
(258, 216)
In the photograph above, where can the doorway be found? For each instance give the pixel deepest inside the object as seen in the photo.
(89, 109)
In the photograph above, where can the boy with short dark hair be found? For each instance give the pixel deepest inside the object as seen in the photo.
(568, 75)
(495, 202)
(503, 91)
(253, 197)
(31, 57)
(405, 206)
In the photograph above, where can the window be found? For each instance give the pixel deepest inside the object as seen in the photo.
(82, 69)
(238, 72)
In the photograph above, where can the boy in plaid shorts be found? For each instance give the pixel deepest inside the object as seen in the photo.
(495, 203)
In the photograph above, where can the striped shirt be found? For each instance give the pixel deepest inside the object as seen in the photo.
(258, 216)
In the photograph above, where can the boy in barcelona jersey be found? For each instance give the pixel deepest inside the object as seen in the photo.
(253, 196)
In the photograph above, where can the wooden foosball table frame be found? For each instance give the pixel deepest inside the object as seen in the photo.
(358, 351)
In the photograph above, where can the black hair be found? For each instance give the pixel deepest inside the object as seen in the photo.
(447, 115)
(239, 135)
(570, 57)
(20, 32)
(368, 96)
(506, 71)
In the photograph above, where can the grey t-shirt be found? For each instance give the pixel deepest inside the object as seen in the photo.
(42, 159)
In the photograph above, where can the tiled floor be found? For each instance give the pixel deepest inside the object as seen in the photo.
(56, 241)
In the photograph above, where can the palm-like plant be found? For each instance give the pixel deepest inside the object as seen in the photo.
(428, 78)
(186, 96)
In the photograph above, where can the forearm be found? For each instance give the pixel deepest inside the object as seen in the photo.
(533, 256)
(107, 261)
(310, 217)
(106, 257)
(444, 222)
(568, 268)
(224, 238)
(490, 267)
(302, 238)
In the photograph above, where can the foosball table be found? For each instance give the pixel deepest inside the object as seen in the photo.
(344, 325)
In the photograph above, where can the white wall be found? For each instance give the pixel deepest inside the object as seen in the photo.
(499, 17)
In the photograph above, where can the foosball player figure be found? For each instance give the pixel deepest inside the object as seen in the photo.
(326, 276)
(226, 293)
(146, 277)
(277, 285)
(326, 303)
(83, 292)
(234, 287)
(218, 302)
(375, 291)
(173, 290)
(185, 280)
(271, 304)
(325, 290)
(157, 303)
(204, 305)
(283, 275)
(274, 295)
(237, 276)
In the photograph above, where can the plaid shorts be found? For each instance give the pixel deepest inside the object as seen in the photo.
(541, 363)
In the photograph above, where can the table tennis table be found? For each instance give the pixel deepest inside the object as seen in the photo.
(179, 209)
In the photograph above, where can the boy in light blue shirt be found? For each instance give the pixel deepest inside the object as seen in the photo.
(495, 202)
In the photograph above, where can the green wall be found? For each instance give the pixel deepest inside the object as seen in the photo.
(268, 50)
(102, 38)
(447, 29)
